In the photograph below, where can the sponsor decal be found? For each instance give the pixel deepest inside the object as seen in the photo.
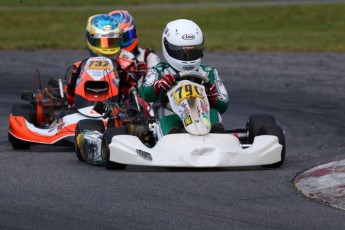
(107, 27)
(206, 119)
(188, 37)
(204, 107)
(151, 76)
(18, 122)
(183, 110)
(127, 55)
(145, 155)
(93, 153)
(125, 62)
(110, 35)
(219, 82)
(188, 120)
(124, 56)
(188, 47)
(205, 115)
(57, 125)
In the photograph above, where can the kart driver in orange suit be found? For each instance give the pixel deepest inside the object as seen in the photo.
(104, 38)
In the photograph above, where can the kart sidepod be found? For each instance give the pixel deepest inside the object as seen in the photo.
(23, 133)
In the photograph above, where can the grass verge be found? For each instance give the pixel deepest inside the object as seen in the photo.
(264, 28)
(24, 3)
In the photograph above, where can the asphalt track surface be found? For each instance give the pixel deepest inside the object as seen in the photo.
(48, 188)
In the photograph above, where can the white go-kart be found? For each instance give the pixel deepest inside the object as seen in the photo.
(260, 143)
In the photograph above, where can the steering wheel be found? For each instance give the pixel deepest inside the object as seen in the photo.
(178, 77)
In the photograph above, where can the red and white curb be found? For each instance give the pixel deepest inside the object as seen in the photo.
(324, 184)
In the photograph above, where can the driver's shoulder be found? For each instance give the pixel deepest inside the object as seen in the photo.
(206, 68)
(161, 66)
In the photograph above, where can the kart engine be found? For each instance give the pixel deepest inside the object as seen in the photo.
(140, 129)
(48, 104)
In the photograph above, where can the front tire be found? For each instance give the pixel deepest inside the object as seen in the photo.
(17, 143)
(107, 137)
(256, 122)
(81, 126)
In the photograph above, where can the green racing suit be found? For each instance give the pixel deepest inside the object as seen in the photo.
(146, 91)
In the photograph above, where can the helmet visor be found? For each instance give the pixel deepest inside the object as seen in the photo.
(129, 35)
(105, 43)
(184, 53)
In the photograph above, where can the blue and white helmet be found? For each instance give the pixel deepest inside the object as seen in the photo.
(183, 45)
(103, 36)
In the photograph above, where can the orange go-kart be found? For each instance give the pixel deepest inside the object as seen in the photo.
(48, 119)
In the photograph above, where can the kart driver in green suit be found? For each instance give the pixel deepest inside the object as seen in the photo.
(182, 45)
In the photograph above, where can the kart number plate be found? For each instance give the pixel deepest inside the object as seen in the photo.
(187, 91)
(98, 65)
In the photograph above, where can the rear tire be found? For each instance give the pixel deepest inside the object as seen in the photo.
(256, 122)
(17, 143)
(81, 126)
(108, 135)
(275, 130)
(26, 111)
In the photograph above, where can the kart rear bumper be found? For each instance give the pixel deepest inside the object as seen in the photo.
(25, 131)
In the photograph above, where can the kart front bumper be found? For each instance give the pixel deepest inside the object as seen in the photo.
(185, 150)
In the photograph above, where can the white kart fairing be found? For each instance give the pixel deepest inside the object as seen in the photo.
(186, 150)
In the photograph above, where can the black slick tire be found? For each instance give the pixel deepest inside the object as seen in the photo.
(82, 125)
(108, 135)
(256, 122)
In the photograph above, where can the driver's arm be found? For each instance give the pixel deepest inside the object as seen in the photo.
(146, 90)
(222, 102)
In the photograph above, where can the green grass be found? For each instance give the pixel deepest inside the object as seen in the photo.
(265, 28)
(103, 2)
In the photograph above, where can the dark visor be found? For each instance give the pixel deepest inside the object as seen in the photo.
(184, 53)
(129, 35)
(105, 42)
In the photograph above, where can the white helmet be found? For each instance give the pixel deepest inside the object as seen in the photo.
(183, 44)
